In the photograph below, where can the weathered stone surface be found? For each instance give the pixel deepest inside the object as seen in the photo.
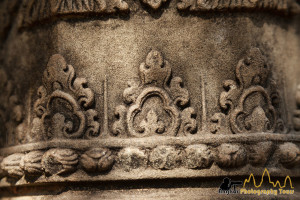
(139, 99)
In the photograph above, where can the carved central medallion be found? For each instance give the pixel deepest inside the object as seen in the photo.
(156, 105)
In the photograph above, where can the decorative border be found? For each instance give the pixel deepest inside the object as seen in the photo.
(59, 162)
(40, 10)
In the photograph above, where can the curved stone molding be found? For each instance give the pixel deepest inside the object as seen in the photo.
(34, 11)
(157, 105)
(64, 107)
(57, 164)
(38, 10)
(285, 6)
(246, 103)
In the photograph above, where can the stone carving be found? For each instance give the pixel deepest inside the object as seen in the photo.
(64, 107)
(247, 104)
(198, 156)
(157, 105)
(289, 155)
(11, 112)
(11, 165)
(59, 161)
(215, 5)
(165, 157)
(260, 153)
(131, 158)
(97, 160)
(154, 4)
(231, 156)
(296, 118)
(38, 10)
(31, 163)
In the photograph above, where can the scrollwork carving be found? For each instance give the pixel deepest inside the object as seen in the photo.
(158, 105)
(64, 107)
(246, 102)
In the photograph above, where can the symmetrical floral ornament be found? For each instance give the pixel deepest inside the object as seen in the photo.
(247, 102)
(64, 106)
(156, 105)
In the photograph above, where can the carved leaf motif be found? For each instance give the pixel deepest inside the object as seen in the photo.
(59, 161)
(31, 163)
(97, 160)
(198, 156)
(289, 155)
(246, 103)
(151, 124)
(231, 156)
(167, 97)
(11, 165)
(188, 122)
(65, 103)
(119, 126)
(259, 153)
(165, 157)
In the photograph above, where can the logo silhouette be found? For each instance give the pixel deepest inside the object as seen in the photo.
(226, 186)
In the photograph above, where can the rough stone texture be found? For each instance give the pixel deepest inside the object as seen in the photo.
(139, 99)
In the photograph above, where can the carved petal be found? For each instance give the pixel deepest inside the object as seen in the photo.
(11, 165)
(59, 161)
(32, 163)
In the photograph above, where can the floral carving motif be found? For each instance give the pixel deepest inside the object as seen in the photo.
(165, 157)
(11, 165)
(198, 156)
(289, 155)
(246, 103)
(132, 158)
(59, 161)
(64, 106)
(231, 156)
(97, 160)
(31, 163)
(259, 153)
(157, 105)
